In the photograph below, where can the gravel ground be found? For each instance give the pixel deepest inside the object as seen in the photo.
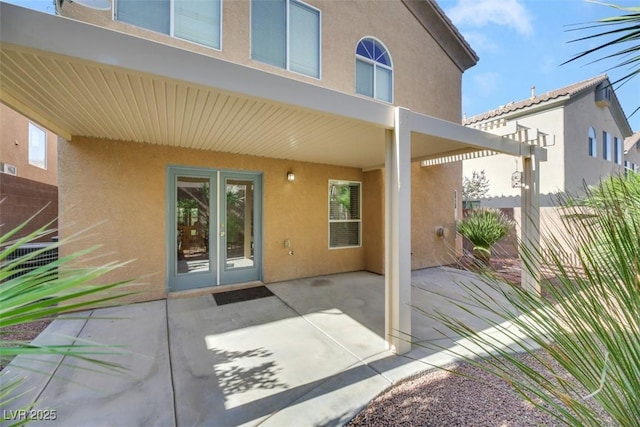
(474, 398)
(25, 332)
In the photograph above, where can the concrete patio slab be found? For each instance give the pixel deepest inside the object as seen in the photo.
(311, 355)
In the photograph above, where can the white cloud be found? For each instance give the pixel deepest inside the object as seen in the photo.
(479, 13)
(480, 42)
(485, 83)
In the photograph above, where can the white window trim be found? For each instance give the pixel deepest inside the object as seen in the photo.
(607, 149)
(375, 64)
(593, 143)
(360, 234)
(114, 18)
(287, 54)
(44, 133)
(618, 151)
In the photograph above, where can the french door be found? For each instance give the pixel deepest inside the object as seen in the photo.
(214, 227)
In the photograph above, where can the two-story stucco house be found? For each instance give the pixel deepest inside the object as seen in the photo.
(28, 173)
(252, 141)
(632, 153)
(584, 130)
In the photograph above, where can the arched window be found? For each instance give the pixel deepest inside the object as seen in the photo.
(374, 70)
(593, 143)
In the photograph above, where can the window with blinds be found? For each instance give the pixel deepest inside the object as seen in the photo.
(345, 221)
(194, 20)
(286, 34)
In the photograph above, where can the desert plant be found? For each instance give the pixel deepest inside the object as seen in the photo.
(584, 330)
(618, 38)
(483, 228)
(30, 294)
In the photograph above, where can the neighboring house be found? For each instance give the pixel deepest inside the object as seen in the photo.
(253, 141)
(28, 173)
(632, 153)
(585, 129)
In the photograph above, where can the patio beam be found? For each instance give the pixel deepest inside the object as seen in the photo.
(530, 220)
(398, 234)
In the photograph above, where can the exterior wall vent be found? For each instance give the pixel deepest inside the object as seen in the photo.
(8, 169)
(604, 93)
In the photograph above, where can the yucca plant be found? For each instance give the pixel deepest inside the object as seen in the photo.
(30, 294)
(483, 228)
(584, 330)
(616, 38)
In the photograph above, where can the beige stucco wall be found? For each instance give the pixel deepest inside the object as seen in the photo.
(120, 191)
(425, 78)
(633, 155)
(373, 228)
(499, 168)
(14, 147)
(579, 166)
(568, 163)
(124, 183)
(432, 205)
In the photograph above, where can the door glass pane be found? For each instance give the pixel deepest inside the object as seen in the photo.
(239, 227)
(192, 218)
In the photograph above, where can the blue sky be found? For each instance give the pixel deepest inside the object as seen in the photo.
(521, 43)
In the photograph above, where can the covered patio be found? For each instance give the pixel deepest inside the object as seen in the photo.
(314, 353)
(81, 80)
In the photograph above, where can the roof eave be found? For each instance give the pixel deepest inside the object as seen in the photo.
(435, 22)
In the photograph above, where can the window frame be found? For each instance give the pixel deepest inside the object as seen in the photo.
(172, 24)
(287, 52)
(334, 221)
(606, 146)
(375, 65)
(617, 151)
(593, 143)
(34, 127)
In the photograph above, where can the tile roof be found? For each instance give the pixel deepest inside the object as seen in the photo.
(630, 141)
(571, 90)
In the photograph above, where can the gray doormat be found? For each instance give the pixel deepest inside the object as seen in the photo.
(230, 297)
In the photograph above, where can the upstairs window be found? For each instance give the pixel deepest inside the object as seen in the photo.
(345, 223)
(374, 70)
(593, 143)
(286, 34)
(194, 20)
(617, 151)
(37, 146)
(606, 146)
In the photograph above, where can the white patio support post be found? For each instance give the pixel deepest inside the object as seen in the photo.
(397, 296)
(530, 220)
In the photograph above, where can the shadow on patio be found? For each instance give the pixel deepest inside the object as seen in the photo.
(313, 354)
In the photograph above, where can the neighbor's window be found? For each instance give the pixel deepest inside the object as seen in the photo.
(593, 143)
(617, 150)
(345, 223)
(606, 146)
(194, 20)
(286, 33)
(374, 70)
(37, 146)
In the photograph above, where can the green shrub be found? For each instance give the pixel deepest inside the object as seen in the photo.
(483, 228)
(587, 319)
(43, 292)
